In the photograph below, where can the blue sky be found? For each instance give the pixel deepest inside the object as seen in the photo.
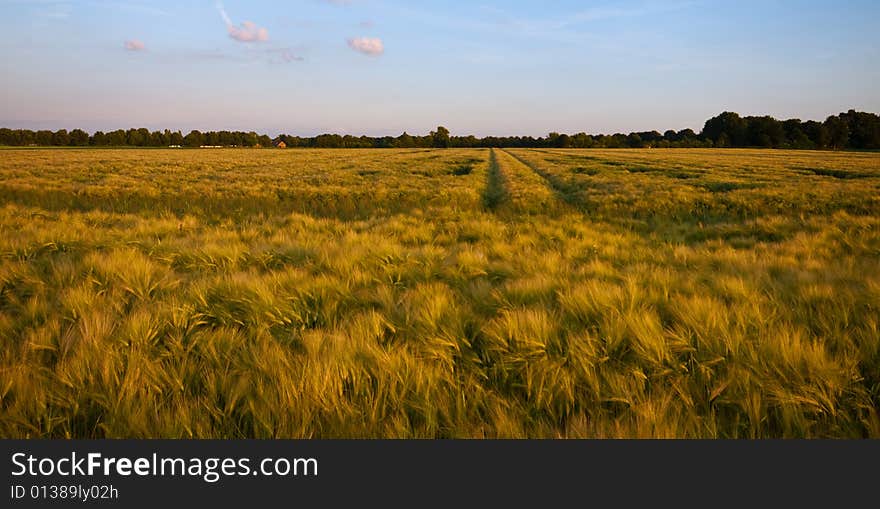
(380, 67)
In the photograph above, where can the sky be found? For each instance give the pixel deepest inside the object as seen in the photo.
(382, 67)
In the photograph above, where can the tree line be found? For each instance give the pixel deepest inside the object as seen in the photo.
(131, 138)
(850, 130)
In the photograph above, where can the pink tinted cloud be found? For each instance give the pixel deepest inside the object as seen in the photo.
(367, 45)
(248, 32)
(134, 45)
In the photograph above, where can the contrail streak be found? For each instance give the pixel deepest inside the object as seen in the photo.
(224, 15)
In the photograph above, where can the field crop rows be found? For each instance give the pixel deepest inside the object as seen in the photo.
(439, 293)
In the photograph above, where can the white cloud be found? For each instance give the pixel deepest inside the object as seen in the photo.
(367, 45)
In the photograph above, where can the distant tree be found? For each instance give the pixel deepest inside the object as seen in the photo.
(687, 138)
(564, 141)
(116, 138)
(250, 139)
(440, 137)
(853, 129)
(137, 137)
(616, 140)
(582, 140)
(795, 136)
(25, 137)
(468, 141)
(650, 137)
(634, 140)
(61, 138)
(799, 140)
(838, 132)
(194, 139)
(79, 138)
(349, 141)
(764, 132)
(328, 141)
(227, 139)
(383, 142)
(157, 139)
(176, 138)
(864, 129)
(817, 133)
(7, 137)
(729, 124)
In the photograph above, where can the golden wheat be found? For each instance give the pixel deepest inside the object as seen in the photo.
(439, 293)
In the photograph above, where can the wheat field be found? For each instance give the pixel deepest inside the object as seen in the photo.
(476, 293)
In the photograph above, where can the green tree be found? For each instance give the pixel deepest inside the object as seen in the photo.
(7, 137)
(838, 132)
(61, 138)
(818, 133)
(404, 141)
(864, 129)
(564, 141)
(729, 124)
(157, 139)
(634, 140)
(79, 138)
(176, 138)
(250, 139)
(138, 137)
(440, 137)
(194, 139)
(764, 131)
(99, 139)
(27, 137)
(116, 138)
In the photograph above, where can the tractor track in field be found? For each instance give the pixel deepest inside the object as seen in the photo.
(495, 193)
(563, 190)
